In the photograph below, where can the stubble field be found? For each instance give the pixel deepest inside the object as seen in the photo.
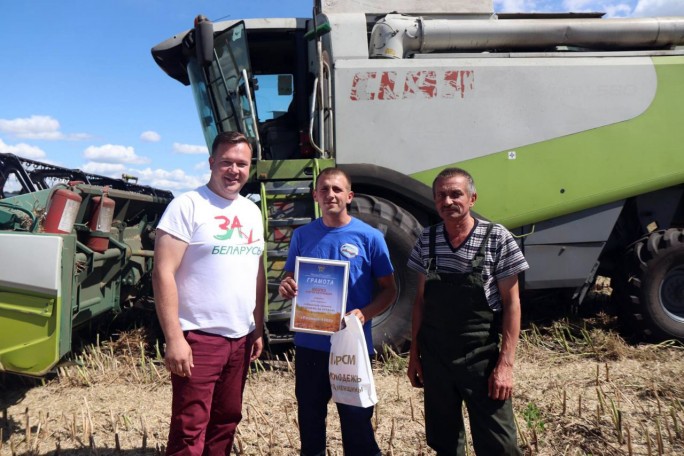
(580, 389)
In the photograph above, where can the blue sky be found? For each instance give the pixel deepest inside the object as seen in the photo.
(79, 87)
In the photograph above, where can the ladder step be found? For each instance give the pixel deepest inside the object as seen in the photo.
(273, 286)
(281, 338)
(276, 253)
(289, 191)
(299, 187)
(289, 221)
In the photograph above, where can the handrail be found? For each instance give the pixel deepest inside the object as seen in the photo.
(316, 172)
(252, 114)
(327, 107)
(312, 111)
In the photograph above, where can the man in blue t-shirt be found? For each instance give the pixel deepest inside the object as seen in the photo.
(337, 236)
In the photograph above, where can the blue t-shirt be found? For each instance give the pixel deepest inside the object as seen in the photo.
(357, 242)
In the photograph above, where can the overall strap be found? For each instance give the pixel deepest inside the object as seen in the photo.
(432, 256)
(478, 260)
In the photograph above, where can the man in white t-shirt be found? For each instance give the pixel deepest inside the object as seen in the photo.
(209, 287)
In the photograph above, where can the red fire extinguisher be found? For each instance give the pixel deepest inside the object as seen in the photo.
(100, 222)
(62, 211)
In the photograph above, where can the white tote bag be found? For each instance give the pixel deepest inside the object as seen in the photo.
(351, 377)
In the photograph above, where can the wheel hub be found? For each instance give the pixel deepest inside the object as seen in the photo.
(672, 293)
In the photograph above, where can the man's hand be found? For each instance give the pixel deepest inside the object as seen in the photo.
(288, 288)
(415, 370)
(178, 357)
(358, 314)
(501, 382)
(256, 345)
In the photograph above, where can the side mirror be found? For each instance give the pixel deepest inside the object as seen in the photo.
(285, 84)
(204, 41)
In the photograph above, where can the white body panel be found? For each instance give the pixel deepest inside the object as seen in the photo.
(403, 124)
(31, 262)
(406, 6)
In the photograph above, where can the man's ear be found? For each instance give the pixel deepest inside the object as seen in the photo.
(473, 199)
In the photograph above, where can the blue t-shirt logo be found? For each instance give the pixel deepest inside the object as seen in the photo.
(349, 250)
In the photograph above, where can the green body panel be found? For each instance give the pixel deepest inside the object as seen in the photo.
(16, 301)
(100, 291)
(30, 342)
(587, 169)
(35, 328)
(290, 169)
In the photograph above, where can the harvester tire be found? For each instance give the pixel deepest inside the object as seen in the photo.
(655, 284)
(401, 229)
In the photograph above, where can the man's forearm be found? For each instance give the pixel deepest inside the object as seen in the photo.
(381, 302)
(510, 333)
(417, 312)
(260, 306)
(508, 287)
(259, 319)
(166, 305)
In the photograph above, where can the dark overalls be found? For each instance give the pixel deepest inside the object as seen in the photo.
(458, 341)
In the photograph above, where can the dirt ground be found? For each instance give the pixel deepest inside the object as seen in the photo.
(580, 389)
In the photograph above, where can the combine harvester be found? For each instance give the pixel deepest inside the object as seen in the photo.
(571, 125)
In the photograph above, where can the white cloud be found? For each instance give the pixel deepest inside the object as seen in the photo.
(612, 8)
(150, 136)
(516, 6)
(38, 127)
(617, 10)
(176, 180)
(112, 153)
(650, 8)
(114, 170)
(34, 127)
(23, 150)
(201, 166)
(582, 5)
(190, 149)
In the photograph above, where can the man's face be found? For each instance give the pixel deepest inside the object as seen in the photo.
(229, 169)
(333, 194)
(452, 200)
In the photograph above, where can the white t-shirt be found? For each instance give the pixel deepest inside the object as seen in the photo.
(216, 279)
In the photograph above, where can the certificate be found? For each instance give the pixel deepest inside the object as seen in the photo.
(321, 295)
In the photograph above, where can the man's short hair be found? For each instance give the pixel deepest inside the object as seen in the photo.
(447, 173)
(334, 172)
(229, 137)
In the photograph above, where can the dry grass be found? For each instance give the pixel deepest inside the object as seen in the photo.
(580, 389)
(594, 394)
